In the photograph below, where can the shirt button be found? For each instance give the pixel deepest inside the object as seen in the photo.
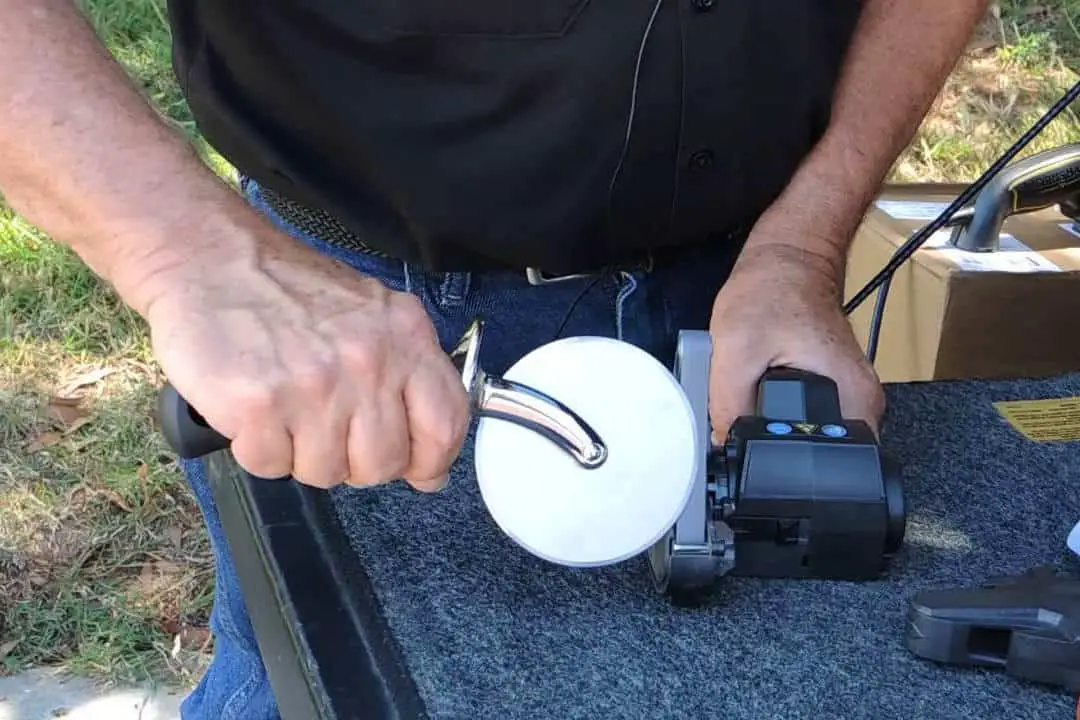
(701, 159)
(703, 5)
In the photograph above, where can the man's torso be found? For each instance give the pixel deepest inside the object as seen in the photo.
(543, 134)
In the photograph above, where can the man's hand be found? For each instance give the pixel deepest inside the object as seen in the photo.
(781, 306)
(312, 369)
(782, 303)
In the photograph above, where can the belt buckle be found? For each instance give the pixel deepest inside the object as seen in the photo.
(537, 277)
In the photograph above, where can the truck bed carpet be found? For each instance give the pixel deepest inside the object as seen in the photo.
(489, 631)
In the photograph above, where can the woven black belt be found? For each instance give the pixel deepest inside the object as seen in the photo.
(315, 223)
(324, 226)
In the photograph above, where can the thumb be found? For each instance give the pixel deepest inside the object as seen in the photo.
(733, 380)
(861, 396)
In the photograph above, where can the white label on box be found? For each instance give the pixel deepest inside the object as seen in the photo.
(912, 209)
(939, 239)
(1011, 256)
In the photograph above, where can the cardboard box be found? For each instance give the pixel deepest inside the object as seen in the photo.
(952, 314)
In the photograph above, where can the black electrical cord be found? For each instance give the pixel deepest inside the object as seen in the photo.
(882, 280)
(573, 305)
(876, 319)
(630, 117)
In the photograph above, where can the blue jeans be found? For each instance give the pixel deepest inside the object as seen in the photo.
(646, 307)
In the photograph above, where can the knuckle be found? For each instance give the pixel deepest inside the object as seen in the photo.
(447, 434)
(438, 427)
(434, 456)
(373, 474)
(363, 358)
(259, 397)
(319, 467)
(412, 319)
(377, 460)
(260, 461)
(409, 305)
(316, 377)
(360, 474)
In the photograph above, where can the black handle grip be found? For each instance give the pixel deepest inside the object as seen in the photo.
(187, 433)
(1037, 182)
(1058, 181)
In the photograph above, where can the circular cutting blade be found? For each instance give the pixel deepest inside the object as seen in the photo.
(570, 515)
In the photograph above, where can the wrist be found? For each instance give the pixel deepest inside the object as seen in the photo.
(823, 205)
(798, 256)
(151, 256)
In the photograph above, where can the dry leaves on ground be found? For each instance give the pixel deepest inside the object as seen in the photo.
(65, 409)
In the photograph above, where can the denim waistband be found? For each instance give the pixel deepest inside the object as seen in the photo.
(318, 223)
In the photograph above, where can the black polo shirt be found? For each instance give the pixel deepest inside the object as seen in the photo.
(556, 133)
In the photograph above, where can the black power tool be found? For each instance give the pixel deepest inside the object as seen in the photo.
(795, 491)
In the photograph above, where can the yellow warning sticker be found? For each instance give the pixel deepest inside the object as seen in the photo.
(805, 428)
(1055, 420)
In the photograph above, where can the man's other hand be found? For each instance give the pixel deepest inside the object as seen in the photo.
(312, 369)
(781, 306)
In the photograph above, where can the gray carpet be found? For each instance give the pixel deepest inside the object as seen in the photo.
(491, 632)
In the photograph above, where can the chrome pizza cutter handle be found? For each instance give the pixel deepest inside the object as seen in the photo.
(190, 436)
(499, 398)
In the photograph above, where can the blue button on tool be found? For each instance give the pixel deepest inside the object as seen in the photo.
(778, 428)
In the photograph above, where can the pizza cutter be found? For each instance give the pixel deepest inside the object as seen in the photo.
(586, 448)
(585, 453)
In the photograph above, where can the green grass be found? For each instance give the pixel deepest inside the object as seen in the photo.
(104, 566)
(997, 93)
(137, 33)
(104, 563)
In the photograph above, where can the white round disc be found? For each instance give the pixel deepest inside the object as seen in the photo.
(564, 513)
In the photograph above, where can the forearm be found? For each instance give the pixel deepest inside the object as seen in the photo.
(85, 158)
(901, 55)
